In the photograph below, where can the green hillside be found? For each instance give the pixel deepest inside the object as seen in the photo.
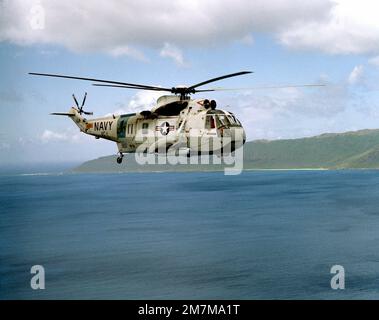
(358, 149)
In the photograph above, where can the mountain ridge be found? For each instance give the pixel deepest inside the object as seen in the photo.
(352, 149)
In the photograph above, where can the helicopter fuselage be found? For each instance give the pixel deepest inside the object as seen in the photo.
(192, 125)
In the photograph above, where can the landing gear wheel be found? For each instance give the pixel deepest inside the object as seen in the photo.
(119, 158)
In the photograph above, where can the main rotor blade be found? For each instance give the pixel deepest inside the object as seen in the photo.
(219, 78)
(263, 87)
(95, 80)
(129, 87)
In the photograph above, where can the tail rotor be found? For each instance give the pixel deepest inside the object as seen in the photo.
(80, 109)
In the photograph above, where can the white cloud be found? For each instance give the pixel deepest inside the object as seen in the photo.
(117, 27)
(374, 61)
(172, 52)
(120, 27)
(142, 100)
(356, 75)
(125, 50)
(49, 135)
(320, 102)
(65, 136)
(352, 27)
(296, 112)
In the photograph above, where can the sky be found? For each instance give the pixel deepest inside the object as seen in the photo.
(169, 43)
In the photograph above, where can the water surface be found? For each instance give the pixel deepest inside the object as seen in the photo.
(265, 234)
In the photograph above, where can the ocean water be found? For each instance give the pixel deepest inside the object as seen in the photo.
(258, 235)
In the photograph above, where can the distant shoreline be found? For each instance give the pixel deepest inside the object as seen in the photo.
(73, 171)
(292, 169)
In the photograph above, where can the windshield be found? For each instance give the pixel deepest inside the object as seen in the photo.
(213, 121)
(233, 120)
(222, 120)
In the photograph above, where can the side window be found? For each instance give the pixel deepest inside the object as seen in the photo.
(121, 128)
(130, 129)
(145, 128)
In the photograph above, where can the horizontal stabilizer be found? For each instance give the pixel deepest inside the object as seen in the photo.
(62, 114)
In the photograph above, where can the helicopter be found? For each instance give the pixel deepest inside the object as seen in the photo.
(177, 124)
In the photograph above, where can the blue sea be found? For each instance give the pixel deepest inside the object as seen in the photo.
(258, 235)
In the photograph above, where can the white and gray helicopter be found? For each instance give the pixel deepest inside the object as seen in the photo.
(175, 124)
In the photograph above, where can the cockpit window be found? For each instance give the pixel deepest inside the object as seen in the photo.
(223, 120)
(217, 120)
(235, 120)
(232, 120)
